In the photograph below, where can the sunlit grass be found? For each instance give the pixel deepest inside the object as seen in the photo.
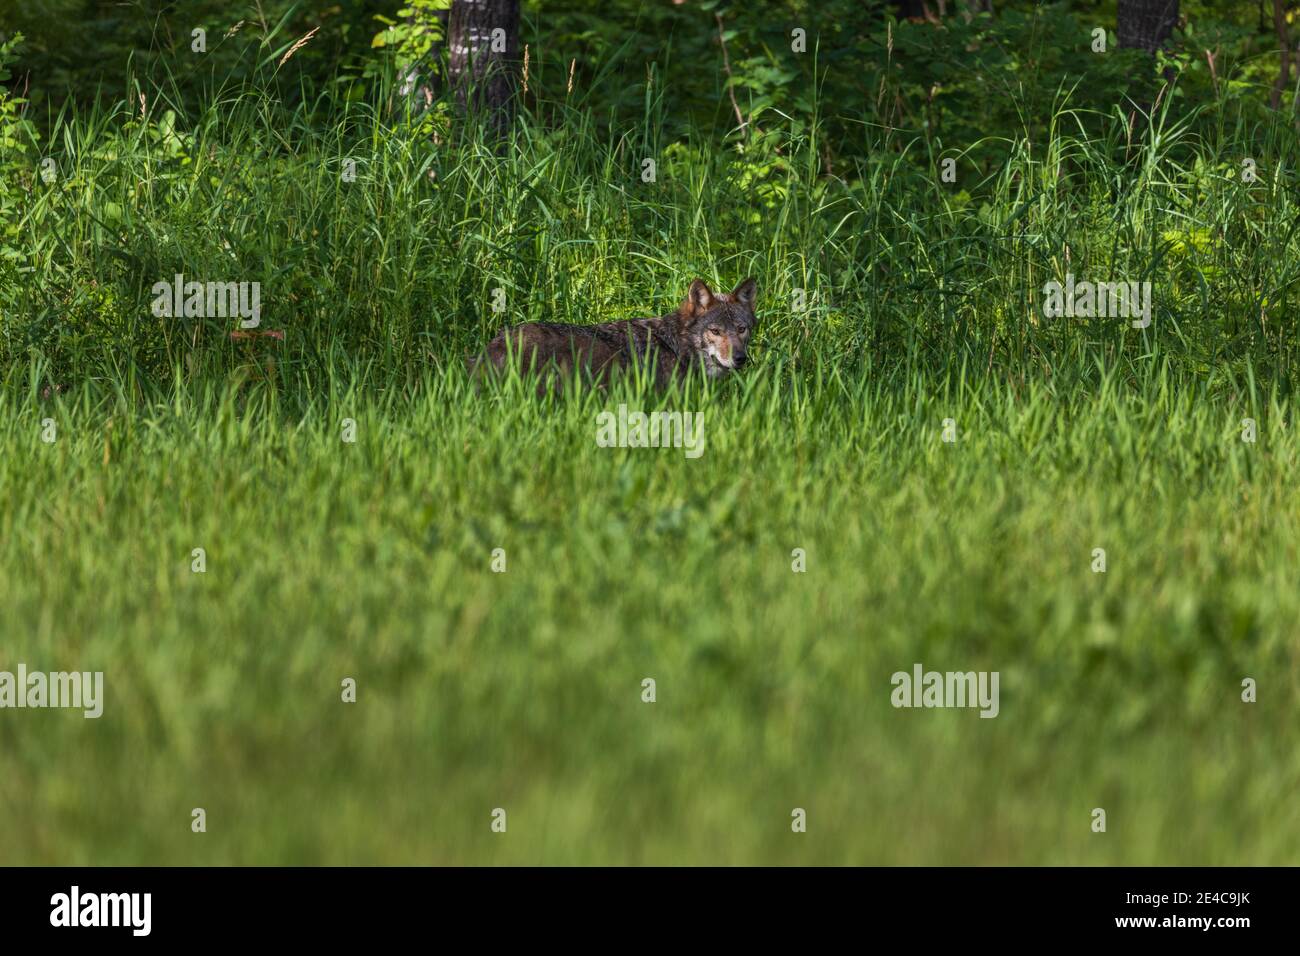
(522, 689)
(889, 303)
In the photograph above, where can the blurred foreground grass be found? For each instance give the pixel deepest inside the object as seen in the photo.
(522, 690)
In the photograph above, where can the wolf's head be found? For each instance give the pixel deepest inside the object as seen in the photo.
(718, 326)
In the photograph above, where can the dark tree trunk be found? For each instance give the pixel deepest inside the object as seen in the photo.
(1146, 24)
(1284, 48)
(483, 43)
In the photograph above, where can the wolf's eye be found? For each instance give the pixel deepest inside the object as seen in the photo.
(742, 330)
(715, 331)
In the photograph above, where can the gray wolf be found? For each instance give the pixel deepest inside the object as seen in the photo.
(709, 331)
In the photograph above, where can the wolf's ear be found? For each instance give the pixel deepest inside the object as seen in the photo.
(700, 296)
(746, 293)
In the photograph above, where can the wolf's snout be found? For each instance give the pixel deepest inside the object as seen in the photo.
(739, 360)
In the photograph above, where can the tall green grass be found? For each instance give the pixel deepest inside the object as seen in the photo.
(879, 258)
(522, 690)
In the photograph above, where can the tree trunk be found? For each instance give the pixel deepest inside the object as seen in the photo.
(483, 43)
(1284, 47)
(1146, 24)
